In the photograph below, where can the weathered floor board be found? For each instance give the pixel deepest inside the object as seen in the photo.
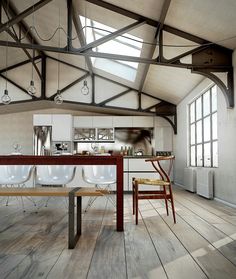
(200, 245)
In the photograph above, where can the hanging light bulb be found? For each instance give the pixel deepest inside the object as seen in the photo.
(32, 89)
(85, 89)
(58, 98)
(6, 98)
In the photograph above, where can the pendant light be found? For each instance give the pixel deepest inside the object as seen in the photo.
(32, 89)
(85, 88)
(5, 97)
(58, 99)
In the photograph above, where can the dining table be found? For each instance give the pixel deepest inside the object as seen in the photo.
(75, 160)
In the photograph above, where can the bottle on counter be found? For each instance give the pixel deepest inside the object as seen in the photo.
(121, 151)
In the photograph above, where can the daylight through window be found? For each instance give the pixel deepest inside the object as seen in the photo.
(203, 130)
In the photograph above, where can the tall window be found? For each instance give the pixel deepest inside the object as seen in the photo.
(203, 130)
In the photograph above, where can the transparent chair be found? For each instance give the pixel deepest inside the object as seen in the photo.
(54, 175)
(15, 175)
(100, 176)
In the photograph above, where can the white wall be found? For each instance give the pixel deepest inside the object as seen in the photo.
(225, 174)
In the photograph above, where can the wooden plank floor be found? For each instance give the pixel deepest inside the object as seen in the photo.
(201, 245)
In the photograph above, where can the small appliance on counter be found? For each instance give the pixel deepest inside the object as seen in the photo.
(61, 148)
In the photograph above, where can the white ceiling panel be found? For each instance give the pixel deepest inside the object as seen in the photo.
(148, 8)
(213, 20)
(169, 83)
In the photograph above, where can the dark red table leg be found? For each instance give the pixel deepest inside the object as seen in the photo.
(119, 195)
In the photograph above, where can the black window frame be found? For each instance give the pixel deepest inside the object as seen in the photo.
(203, 142)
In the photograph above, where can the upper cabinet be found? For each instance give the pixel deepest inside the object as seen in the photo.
(93, 122)
(61, 127)
(102, 121)
(122, 121)
(42, 120)
(143, 121)
(113, 121)
(83, 121)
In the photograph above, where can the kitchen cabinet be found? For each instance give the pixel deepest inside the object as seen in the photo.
(113, 121)
(61, 127)
(137, 167)
(122, 121)
(143, 121)
(139, 164)
(102, 121)
(42, 120)
(83, 122)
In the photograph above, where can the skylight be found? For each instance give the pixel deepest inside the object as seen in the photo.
(124, 45)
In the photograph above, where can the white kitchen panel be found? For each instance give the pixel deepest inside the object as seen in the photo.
(143, 121)
(140, 165)
(122, 121)
(126, 164)
(102, 121)
(61, 127)
(83, 122)
(42, 119)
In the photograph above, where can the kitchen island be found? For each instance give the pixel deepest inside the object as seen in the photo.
(77, 160)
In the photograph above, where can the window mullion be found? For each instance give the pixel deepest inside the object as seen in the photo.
(211, 132)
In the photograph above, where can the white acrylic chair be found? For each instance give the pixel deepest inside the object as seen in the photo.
(102, 176)
(12, 175)
(54, 175)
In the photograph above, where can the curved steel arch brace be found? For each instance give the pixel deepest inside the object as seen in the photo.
(228, 90)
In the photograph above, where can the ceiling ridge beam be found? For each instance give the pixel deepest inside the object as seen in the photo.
(112, 35)
(22, 15)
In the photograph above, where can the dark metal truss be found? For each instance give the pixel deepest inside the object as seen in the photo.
(207, 59)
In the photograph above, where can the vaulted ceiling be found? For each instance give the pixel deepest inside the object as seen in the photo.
(173, 22)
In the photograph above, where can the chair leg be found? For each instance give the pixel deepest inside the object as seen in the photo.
(46, 203)
(172, 203)
(166, 201)
(22, 203)
(90, 202)
(31, 199)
